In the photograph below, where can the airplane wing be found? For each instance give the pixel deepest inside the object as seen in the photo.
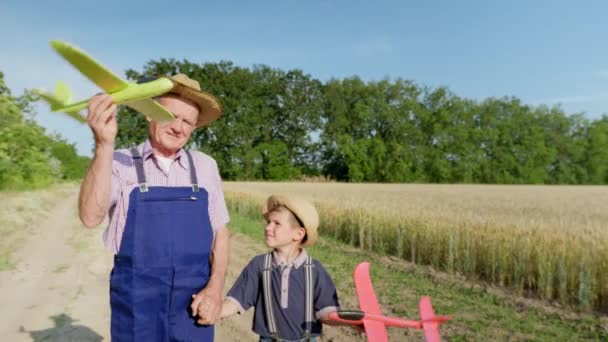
(152, 109)
(430, 324)
(89, 67)
(375, 330)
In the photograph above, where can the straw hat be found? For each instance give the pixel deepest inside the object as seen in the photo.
(304, 211)
(210, 106)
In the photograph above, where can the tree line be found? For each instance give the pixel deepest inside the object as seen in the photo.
(286, 124)
(29, 156)
(281, 125)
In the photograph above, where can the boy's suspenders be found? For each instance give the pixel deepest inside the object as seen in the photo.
(267, 293)
(267, 287)
(310, 295)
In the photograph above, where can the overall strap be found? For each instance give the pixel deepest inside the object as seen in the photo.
(310, 286)
(267, 287)
(193, 179)
(139, 168)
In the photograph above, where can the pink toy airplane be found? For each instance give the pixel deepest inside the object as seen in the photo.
(374, 323)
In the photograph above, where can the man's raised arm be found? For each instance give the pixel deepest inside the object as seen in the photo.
(94, 198)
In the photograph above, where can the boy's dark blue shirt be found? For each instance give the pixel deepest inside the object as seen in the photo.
(288, 295)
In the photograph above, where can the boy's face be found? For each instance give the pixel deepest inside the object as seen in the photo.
(281, 229)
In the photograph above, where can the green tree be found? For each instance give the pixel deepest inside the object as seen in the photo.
(596, 156)
(567, 137)
(27, 158)
(384, 131)
(273, 162)
(262, 105)
(72, 165)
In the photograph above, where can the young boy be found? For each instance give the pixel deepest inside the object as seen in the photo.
(292, 293)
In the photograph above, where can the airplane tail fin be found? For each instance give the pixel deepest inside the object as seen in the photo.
(61, 98)
(430, 322)
(61, 101)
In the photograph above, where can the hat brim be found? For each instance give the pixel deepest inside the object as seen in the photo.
(210, 107)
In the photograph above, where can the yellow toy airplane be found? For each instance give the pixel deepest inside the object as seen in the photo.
(138, 96)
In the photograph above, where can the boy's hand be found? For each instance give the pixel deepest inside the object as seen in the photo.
(359, 328)
(326, 319)
(207, 306)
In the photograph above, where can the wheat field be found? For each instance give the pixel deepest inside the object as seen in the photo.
(549, 242)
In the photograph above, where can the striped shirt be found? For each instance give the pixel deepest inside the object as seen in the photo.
(124, 180)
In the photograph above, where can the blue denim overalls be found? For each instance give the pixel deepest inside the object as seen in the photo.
(163, 260)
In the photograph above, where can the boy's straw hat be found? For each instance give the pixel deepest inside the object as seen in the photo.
(210, 106)
(304, 211)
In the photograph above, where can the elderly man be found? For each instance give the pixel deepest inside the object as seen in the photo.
(167, 220)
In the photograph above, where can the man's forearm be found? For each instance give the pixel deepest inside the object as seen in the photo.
(94, 198)
(220, 260)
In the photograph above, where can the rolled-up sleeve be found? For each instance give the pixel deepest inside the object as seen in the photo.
(326, 296)
(246, 288)
(115, 183)
(114, 188)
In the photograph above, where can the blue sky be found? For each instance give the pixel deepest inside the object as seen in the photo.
(543, 52)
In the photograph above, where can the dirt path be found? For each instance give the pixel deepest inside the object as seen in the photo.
(58, 291)
(59, 288)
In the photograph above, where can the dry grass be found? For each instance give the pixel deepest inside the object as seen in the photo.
(19, 211)
(546, 241)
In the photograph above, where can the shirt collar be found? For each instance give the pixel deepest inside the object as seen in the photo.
(296, 263)
(147, 151)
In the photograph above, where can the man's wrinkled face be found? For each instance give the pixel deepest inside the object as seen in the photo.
(172, 136)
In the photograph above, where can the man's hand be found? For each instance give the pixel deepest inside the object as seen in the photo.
(94, 198)
(102, 119)
(207, 305)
